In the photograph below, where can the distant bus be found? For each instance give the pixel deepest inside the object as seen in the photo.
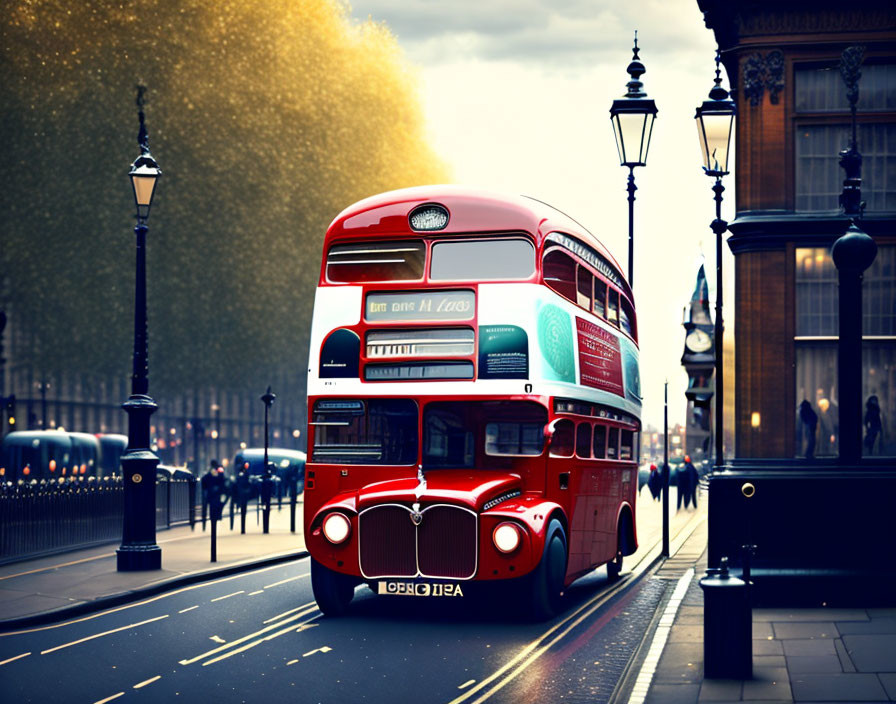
(49, 454)
(474, 401)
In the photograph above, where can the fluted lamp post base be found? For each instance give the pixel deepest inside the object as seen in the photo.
(138, 549)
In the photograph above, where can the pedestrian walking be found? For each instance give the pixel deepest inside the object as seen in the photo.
(655, 482)
(809, 424)
(873, 424)
(691, 478)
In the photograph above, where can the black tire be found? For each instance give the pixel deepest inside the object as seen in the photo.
(332, 591)
(546, 582)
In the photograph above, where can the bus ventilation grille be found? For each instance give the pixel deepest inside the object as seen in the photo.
(444, 546)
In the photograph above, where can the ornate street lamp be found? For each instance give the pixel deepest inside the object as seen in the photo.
(138, 549)
(852, 253)
(632, 118)
(715, 123)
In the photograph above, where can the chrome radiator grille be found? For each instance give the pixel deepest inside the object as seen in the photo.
(443, 546)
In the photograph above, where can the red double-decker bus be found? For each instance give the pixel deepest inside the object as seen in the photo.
(474, 401)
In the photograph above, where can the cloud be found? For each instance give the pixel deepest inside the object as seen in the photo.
(555, 34)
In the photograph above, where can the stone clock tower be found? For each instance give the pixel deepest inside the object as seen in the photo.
(698, 360)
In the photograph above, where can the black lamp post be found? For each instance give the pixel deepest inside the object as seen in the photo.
(715, 122)
(267, 481)
(632, 117)
(216, 409)
(138, 549)
(43, 387)
(853, 253)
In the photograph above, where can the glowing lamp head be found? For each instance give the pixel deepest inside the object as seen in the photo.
(337, 528)
(52, 465)
(507, 537)
(26, 470)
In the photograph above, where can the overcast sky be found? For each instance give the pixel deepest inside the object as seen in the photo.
(517, 95)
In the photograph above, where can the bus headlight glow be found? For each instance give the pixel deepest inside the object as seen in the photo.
(336, 528)
(506, 537)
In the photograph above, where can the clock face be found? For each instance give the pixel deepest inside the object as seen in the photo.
(698, 341)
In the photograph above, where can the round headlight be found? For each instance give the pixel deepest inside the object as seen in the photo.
(506, 537)
(336, 528)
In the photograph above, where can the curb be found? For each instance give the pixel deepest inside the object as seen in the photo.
(106, 602)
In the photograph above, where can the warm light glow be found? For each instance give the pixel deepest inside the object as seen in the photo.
(296, 433)
(173, 431)
(214, 435)
(824, 405)
(52, 465)
(336, 528)
(506, 537)
(225, 462)
(755, 419)
(242, 445)
(12, 420)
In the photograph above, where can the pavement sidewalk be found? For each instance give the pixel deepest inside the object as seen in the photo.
(799, 654)
(78, 581)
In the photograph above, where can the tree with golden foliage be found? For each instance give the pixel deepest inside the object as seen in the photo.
(267, 117)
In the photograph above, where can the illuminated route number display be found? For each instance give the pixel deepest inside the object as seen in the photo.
(420, 305)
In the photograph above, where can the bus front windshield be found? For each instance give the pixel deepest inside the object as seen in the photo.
(458, 434)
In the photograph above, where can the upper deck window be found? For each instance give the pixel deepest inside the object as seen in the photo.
(376, 261)
(482, 260)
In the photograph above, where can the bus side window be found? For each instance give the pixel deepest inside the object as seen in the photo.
(612, 443)
(562, 441)
(584, 286)
(600, 441)
(625, 445)
(600, 299)
(627, 318)
(583, 440)
(560, 273)
(613, 308)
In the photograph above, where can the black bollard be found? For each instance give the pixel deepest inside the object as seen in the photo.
(727, 625)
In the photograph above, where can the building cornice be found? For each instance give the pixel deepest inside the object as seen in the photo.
(753, 231)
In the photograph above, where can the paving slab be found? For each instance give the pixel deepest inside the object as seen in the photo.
(806, 615)
(673, 694)
(872, 653)
(888, 680)
(817, 646)
(845, 687)
(823, 664)
(884, 624)
(815, 629)
(721, 691)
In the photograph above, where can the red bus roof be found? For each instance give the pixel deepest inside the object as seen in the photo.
(471, 211)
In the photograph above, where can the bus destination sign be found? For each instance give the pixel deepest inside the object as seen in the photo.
(420, 305)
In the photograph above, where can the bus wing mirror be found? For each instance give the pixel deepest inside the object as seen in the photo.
(549, 431)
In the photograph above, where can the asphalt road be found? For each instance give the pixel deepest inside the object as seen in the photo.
(258, 637)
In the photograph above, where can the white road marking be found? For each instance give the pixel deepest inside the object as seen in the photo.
(648, 669)
(227, 596)
(260, 591)
(291, 611)
(146, 682)
(217, 639)
(183, 611)
(100, 614)
(284, 581)
(109, 699)
(324, 649)
(466, 684)
(297, 616)
(23, 655)
(292, 662)
(104, 633)
(271, 636)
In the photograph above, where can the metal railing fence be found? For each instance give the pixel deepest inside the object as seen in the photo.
(40, 518)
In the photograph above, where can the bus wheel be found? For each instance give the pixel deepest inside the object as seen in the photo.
(547, 580)
(332, 591)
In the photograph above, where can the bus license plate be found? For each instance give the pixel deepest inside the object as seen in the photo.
(418, 589)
